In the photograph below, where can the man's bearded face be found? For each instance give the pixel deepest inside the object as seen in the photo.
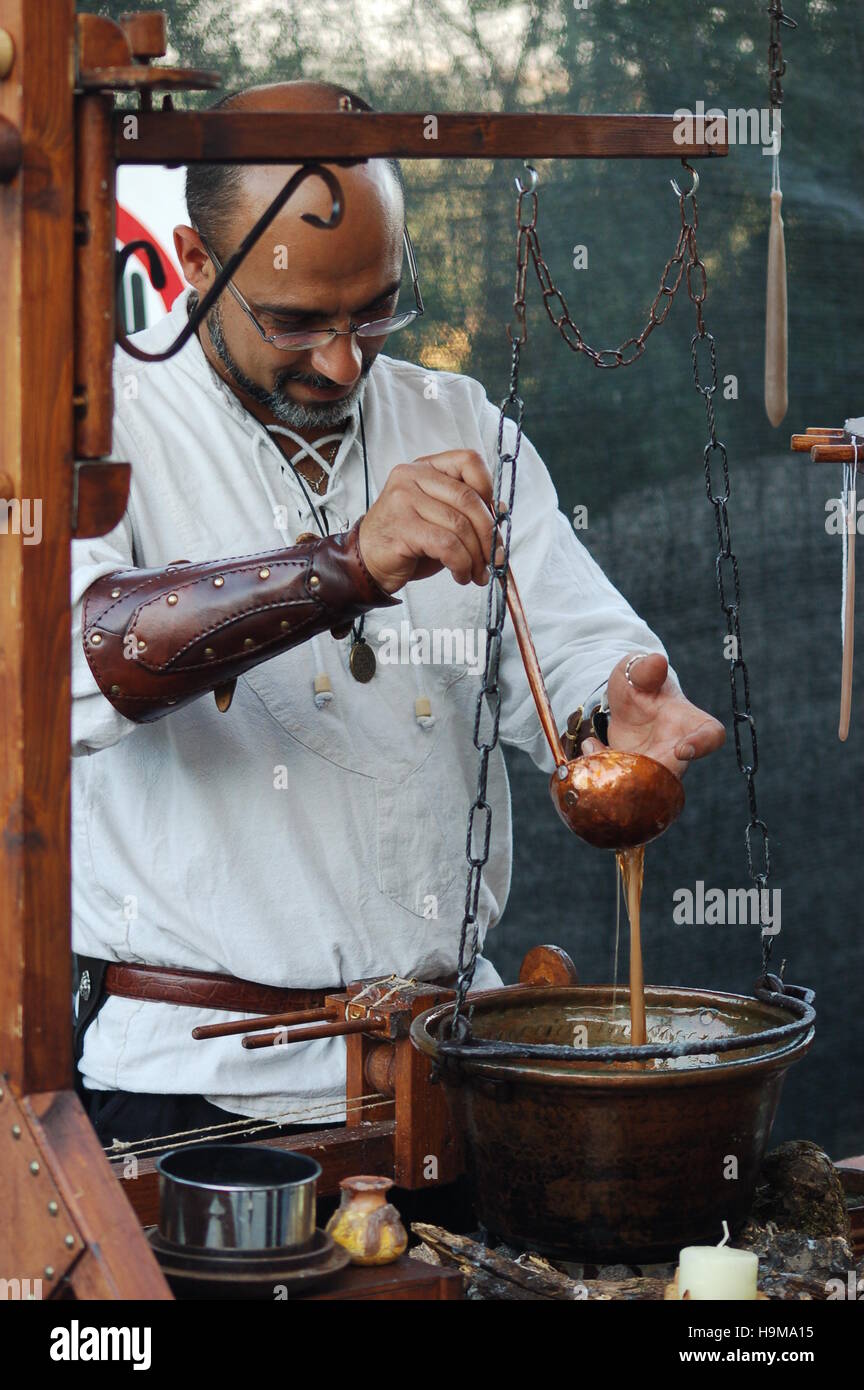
(276, 399)
(302, 278)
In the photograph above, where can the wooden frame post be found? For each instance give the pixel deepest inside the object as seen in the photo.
(57, 1192)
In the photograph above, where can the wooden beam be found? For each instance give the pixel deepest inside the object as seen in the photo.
(277, 137)
(117, 1261)
(36, 422)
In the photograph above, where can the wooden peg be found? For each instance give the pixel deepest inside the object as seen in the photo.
(147, 34)
(100, 43)
(340, 1029)
(7, 53)
(803, 443)
(838, 453)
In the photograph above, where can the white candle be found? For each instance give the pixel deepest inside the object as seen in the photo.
(717, 1272)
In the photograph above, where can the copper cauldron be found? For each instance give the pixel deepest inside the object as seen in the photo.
(608, 1161)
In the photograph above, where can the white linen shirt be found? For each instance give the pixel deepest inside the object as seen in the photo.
(280, 842)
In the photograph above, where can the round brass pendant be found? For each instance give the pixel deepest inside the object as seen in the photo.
(362, 662)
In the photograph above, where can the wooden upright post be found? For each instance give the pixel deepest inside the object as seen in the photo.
(66, 1221)
(36, 422)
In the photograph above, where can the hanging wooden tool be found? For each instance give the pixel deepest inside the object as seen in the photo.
(776, 327)
(844, 446)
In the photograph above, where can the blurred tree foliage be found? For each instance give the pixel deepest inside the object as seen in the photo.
(612, 55)
(628, 443)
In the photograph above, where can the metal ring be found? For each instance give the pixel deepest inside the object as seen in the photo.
(632, 662)
(793, 999)
(535, 179)
(691, 192)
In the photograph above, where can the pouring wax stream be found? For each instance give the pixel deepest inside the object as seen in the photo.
(631, 865)
(611, 799)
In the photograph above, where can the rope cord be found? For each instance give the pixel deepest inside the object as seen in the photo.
(120, 1149)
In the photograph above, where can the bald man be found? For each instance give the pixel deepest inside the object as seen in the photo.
(277, 653)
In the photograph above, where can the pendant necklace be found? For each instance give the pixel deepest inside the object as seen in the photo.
(361, 658)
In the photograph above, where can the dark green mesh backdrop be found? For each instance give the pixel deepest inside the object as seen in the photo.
(628, 444)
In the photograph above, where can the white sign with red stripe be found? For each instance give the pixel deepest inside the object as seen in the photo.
(150, 204)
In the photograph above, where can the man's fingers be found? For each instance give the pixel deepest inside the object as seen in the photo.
(706, 738)
(444, 545)
(442, 514)
(466, 464)
(460, 499)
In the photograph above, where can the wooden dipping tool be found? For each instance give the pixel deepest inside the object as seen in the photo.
(829, 445)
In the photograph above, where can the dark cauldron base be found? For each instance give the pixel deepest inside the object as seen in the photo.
(605, 1162)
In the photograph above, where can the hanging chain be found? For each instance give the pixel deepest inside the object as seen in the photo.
(489, 695)
(692, 271)
(776, 61)
(632, 348)
(726, 571)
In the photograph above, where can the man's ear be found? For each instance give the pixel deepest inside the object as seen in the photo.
(196, 264)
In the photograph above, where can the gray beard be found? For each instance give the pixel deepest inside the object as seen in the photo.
(279, 405)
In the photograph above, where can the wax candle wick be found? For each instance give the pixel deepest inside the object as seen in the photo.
(721, 1243)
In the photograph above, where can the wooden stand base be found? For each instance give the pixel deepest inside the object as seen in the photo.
(404, 1281)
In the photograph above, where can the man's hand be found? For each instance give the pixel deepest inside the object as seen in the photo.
(432, 514)
(648, 714)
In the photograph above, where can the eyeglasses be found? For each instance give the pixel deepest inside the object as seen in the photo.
(303, 339)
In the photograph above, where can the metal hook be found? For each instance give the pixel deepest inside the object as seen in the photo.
(776, 12)
(691, 192)
(535, 179)
(203, 308)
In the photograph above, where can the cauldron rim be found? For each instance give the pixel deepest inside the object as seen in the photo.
(544, 1072)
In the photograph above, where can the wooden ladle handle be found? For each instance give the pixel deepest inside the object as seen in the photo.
(532, 669)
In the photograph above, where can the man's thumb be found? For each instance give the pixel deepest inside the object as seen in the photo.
(648, 672)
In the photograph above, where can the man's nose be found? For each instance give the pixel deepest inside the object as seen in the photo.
(340, 360)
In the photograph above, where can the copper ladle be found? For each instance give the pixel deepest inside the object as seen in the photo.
(613, 800)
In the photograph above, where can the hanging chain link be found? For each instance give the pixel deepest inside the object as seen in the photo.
(776, 61)
(726, 572)
(691, 269)
(489, 695)
(632, 348)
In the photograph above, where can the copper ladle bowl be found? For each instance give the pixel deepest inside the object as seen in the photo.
(612, 800)
(616, 800)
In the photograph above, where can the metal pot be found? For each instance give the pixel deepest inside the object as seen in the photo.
(237, 1197)
(609, 1161)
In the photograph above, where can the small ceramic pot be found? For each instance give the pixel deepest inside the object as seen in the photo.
(366, 1224)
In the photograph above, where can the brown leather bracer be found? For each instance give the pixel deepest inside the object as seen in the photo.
(158, 639)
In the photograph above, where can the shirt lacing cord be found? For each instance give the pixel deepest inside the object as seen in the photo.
(322, 687)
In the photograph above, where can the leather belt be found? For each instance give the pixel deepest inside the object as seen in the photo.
(196, 989)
